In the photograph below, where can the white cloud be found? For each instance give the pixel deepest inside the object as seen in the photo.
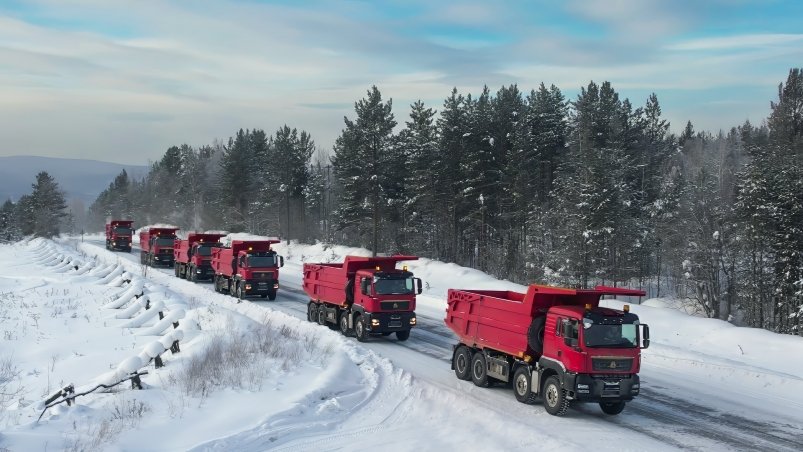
(738, 42)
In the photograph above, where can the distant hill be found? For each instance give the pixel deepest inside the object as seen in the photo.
(80, 179)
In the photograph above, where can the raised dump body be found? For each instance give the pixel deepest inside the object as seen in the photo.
(246, 268)
(193, 255)
(550, 341)
(119, 234)
(363, 295)
(157, 245)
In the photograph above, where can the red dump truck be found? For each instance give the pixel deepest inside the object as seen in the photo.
(247, 267)
(192, 256)
(366, 295)
(553, 343)
(118, 235)
(157, 245)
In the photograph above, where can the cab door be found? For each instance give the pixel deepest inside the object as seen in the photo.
(569, 349)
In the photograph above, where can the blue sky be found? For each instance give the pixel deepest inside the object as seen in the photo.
(121, 81)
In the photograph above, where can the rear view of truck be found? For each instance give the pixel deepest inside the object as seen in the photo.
(119, 234)
(363, 295)
(553, 343)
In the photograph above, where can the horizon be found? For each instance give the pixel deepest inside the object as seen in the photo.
(121, 84)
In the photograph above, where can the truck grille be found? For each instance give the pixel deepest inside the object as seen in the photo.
(611, 364)
(263, 275)
(397, 305)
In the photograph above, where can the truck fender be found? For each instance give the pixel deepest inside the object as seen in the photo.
(548, 367)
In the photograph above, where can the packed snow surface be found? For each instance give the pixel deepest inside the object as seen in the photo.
(257, 376)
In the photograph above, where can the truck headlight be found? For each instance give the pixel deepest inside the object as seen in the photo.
(374, 322)
(276, 286)
(412, 321)
(248, 287)
(198, 271)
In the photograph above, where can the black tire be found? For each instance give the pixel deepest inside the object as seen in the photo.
(461, 361)
(343, 323)
(240, 293)
(403, 335)
(176, 271)
(350, 291)
(322, 316)
(479, 370)
(612, 408)
(271, 295)
(535, 334)
(522, 382)
(554, 397)
(360, 332)
(191, 276)
(312, 312)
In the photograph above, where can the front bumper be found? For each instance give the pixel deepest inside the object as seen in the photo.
(388, 322)
(204, 272)
(164, 259)
(602, 388)
(261, 287)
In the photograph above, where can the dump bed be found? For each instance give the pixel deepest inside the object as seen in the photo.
(327, 281)
(500, 320)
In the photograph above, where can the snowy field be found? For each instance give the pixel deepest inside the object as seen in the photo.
(256, 376)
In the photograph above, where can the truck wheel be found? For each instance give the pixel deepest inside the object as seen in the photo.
(555, 401)
(535, 334)
(344, 324)
(403, 335)
(176, 271)
(479, 370)
(462, 363)
(359, 329)
(312, 312)
(240, 292)
(271, 295)
(521, 386)
(321, 316)
(191, 276)
(612, 408)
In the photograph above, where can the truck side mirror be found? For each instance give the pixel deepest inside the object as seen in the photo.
(645, 336)
(281, 261)
(365, 284)
(419, 286)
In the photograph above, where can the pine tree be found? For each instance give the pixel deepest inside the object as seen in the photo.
(45, 207)
(453, 125)
(364, 169)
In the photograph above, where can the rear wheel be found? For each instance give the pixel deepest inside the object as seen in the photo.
(479, 370)
(403, 335)
(344, 324)
(612, 408)
(312, 312)
(462, 363)
(359, 329)
(555, 401)
(522, 385)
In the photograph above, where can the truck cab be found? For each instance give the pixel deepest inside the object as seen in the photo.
(258, 272)
(119, 234)
(386, 299)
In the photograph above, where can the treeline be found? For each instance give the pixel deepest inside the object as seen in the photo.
(42, 213)
(527, 186)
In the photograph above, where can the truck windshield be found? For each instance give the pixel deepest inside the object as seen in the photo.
(204, 250)
(388, 286)
(261, 260)
(123, 231)
(610, 336)
(164, 241)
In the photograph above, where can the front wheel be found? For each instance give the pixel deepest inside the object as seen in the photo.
(612, 408)
(403, 335)
(359, 329)
(271, 295)
(479, 370)
(555, 401)
(522, 383)
(191, 276)
(240, 292)
(176, 271)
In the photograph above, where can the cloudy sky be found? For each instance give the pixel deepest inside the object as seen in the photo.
(123, 80)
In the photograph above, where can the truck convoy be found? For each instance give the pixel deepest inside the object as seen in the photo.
(192, 257)
(551, 342)
(366, 295)
(247, 267)
(118, 235)
(157, 245)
